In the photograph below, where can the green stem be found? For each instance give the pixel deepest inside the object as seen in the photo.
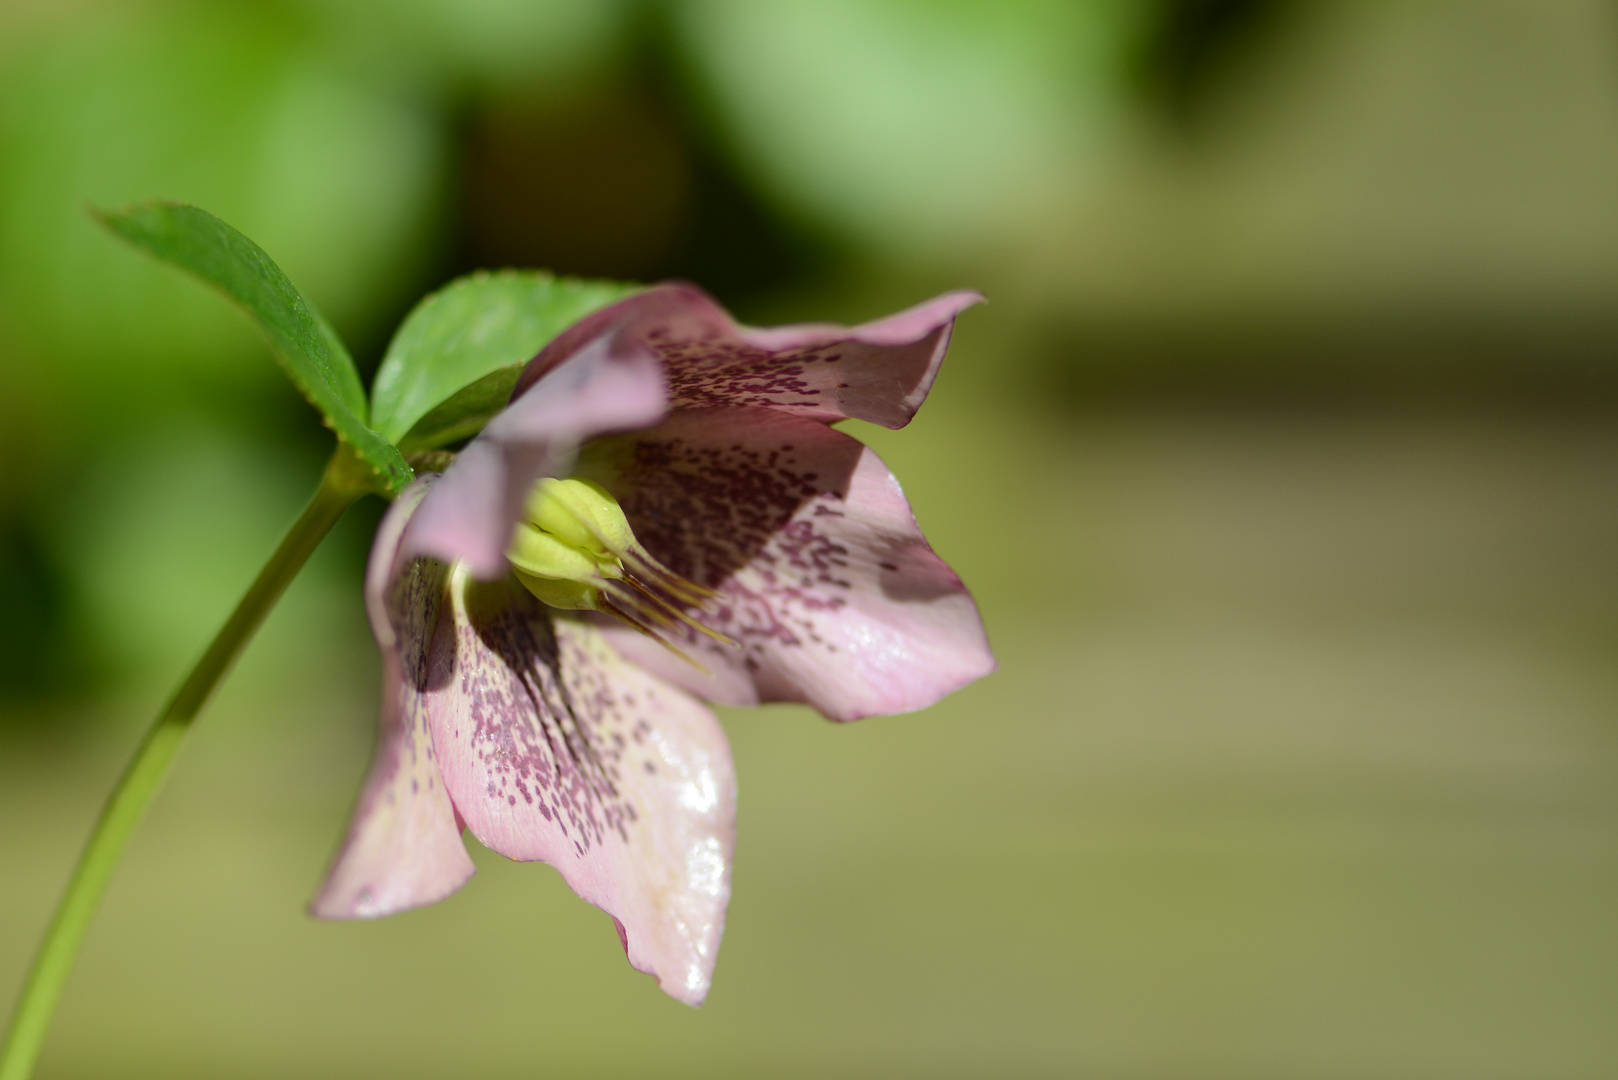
(344, 482)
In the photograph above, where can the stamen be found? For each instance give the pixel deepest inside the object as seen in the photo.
(680, 613)
(574, 550)
(634, 624)
(642, 565)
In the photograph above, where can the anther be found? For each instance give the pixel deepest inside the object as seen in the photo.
(574, 550)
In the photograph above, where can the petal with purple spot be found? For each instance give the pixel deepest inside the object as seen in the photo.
(880, 371)
(404, 845)
(556, 749)
(824, 578)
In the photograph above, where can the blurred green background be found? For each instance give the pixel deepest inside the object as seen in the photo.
(1282, 463)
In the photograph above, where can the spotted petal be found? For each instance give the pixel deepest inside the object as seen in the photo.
(613, 384)
(824, 578)
(880, 371)
(556, 749)
(404, 846)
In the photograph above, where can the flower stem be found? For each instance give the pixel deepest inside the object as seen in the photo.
(345, 481)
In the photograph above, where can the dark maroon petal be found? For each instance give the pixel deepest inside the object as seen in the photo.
(824, 578)
(556, 749)
(404, 845)
(880, 371)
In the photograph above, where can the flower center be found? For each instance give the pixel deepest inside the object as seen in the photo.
(574, 550)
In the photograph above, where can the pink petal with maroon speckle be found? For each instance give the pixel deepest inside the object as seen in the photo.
(825, 579)
(613, 384)
(556, 749)
(880, 371)
(404, 846)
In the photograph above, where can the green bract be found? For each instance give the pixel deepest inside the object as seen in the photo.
(307, 348)
(455, 358)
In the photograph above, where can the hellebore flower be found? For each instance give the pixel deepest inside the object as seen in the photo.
(661, 515)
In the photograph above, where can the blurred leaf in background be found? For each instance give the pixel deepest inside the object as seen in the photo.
(165, 533)
(443, 49)
(1410, 196)
(226, 106)
(235, 107)
(916, 127)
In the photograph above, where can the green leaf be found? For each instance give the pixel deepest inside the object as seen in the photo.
(304, 344)
(463, 413)
(453, 361)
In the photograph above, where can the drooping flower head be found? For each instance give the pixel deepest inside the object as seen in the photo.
(662, 515)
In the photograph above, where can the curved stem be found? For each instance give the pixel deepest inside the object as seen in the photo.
(343, 483)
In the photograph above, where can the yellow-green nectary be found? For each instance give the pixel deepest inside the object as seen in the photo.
(574, 550)
(572, 539)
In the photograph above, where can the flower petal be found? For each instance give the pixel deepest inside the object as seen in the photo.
(556, 749)
(824, 577)
(614, 384)
(880, 371)
(404, 845)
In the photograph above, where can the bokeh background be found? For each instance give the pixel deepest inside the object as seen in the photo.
(1283, 464)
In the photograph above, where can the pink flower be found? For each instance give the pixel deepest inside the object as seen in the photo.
(772, 558)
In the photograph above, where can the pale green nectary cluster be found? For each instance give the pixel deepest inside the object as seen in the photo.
(574, 550)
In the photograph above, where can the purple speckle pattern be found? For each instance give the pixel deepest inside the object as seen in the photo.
(711, 367)
(532, 732)
(544, 725)
(879, 372)
(555, 749)
(714, 493)
(714, 370)
(824, 581)
(404, 845)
